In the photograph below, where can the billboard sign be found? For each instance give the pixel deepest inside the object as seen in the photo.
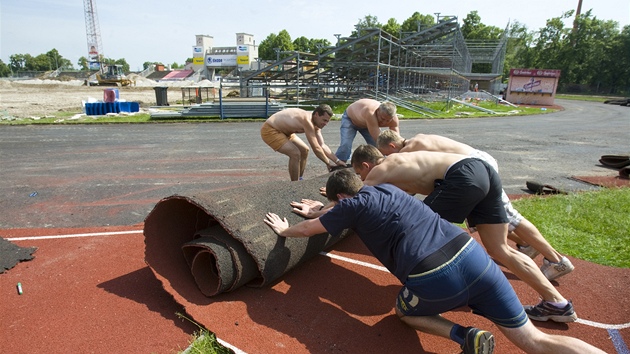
(221, 60)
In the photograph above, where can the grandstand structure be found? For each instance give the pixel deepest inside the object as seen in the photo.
(434, 63)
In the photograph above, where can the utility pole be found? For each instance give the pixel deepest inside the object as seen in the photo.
(575, 22)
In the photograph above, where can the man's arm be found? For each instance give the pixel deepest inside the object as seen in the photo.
(306, 228)
(314, 137)
(372, 126)
(395, 124)
(311, 209)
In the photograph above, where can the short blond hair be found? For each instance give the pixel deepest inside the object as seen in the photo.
(387, 137)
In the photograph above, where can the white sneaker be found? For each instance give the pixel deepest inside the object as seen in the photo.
(553, 270)
(529, 251)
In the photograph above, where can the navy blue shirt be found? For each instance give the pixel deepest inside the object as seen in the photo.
(397, 228)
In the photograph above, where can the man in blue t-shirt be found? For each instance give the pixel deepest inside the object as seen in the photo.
(440, 266)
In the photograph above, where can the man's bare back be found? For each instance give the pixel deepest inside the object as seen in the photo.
(363, 113)
(291, 121)
(429, 142)
(413, 172)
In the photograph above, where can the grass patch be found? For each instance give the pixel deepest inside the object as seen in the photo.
(587, 97)
(203, 341)
(592, 226)
(445, 110)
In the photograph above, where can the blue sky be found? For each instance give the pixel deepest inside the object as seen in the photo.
(165, 31)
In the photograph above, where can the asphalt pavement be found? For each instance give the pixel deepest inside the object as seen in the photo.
(114, 174)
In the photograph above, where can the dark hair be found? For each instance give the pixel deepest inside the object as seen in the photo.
(344, 181)
(323, 108)
(365, 153)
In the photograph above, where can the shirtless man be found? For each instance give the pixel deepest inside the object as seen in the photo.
(528, 238)
(365, 116)
(459, 187)
(279, 131)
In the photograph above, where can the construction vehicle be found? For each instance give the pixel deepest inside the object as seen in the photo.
(112, 75)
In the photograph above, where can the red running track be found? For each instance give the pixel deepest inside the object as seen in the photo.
(86, 292)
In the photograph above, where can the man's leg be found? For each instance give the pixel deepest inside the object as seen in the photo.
(304, 150)
(494, 238)
(530, 234)
(532, 340)
(367, 136)
(294, 154)
(347, 134)
(473, 340)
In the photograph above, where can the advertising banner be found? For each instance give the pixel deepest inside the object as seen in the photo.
(197, 51)
(532, 84)
(221, 60)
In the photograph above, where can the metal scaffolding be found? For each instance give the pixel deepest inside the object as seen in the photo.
(430, 64)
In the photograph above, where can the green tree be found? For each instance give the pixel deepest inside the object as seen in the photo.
(588, 48)
(82, 63)
(474, 30)
(617, 63)
(392, 27)
(39, 63)
(122, 61)
(367, 23)
(302, 44)
(417, 22)
(519, 52)
(594, 55)
(281, 41)
(551, 41)
(17, 62)
(5, 71)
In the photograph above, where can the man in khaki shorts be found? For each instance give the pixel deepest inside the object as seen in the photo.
(279, 131)
(528, 238)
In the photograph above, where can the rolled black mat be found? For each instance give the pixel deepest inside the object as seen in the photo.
(219, 240)
(616, 161)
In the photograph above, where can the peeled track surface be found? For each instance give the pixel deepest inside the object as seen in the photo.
(219, 242)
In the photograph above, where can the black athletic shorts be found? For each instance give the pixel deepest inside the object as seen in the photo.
(470, 190)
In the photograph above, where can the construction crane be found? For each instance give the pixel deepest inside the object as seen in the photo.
(106, 75)
(93, 32)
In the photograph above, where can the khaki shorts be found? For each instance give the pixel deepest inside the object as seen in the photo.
(273, 137)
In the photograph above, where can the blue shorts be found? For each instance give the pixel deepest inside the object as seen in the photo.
(470, 279)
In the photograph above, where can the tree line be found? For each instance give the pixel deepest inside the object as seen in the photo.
(593, 54)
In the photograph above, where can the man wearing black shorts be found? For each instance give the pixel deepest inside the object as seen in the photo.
(440, 266)
(459, 187)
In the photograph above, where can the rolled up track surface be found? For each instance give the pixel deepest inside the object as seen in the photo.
(219, 241)
(616, 161)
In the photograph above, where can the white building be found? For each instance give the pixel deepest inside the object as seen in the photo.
(209, 58)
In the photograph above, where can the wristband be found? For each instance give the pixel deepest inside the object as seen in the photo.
(337, 161)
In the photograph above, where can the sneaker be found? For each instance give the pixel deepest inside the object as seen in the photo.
(545, 311)
(529, 251)
(478, 341)
(553, 270)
